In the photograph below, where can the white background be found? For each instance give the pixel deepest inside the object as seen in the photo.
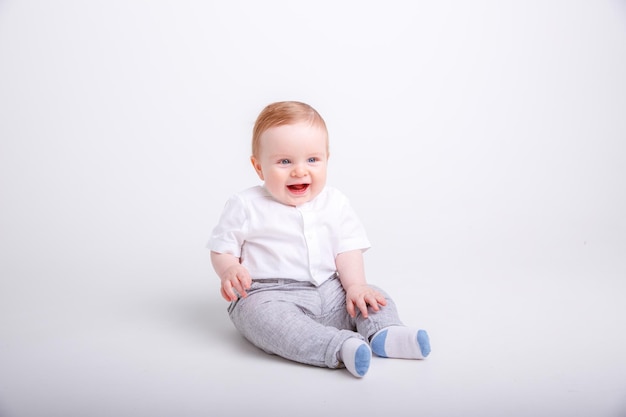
(483, 144)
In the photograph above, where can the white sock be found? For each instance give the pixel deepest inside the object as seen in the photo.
(356, 356)
(401, 342)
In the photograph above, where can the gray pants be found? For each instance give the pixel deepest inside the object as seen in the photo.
(305, 323)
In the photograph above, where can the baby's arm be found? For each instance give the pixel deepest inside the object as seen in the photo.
(352, 276)
(233, 275)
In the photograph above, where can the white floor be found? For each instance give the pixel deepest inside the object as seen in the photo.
(482, 144)
(505, 343)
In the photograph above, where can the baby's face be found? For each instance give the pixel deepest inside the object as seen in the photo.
(293, 161)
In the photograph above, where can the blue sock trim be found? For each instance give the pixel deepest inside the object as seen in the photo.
(362, 360)
(424, 342)
(378, 344)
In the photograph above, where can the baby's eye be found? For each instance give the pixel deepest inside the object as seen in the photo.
(284, 161)
(312, 160)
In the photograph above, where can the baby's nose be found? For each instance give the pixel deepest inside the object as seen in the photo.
(298, 171)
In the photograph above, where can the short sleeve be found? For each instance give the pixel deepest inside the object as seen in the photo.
(229, 234)
(352, 235)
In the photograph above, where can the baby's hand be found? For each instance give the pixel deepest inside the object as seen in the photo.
(362, 295)
(235, 278)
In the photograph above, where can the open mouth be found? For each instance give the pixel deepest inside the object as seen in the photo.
(298, 188)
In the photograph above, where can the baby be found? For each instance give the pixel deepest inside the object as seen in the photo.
(289, 255)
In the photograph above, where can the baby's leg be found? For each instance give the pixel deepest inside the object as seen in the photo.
(279, 318)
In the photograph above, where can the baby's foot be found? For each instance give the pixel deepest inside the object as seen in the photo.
(356, 356)
(401, 342)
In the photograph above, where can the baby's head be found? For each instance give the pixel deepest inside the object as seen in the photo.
(285, 113)
(290, 151)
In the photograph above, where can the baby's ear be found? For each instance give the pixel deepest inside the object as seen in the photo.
(257, 167)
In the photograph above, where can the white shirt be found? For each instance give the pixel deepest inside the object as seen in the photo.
(274, 240)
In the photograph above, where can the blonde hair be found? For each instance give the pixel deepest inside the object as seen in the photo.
(284, 113)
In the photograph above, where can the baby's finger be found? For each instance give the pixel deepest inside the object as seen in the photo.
(350, 308)
(246, 280)
(373, 302)
(227, 292)
(242, 291)
(237, 286)
(362, 305)
(381, 299)
(224, 295)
